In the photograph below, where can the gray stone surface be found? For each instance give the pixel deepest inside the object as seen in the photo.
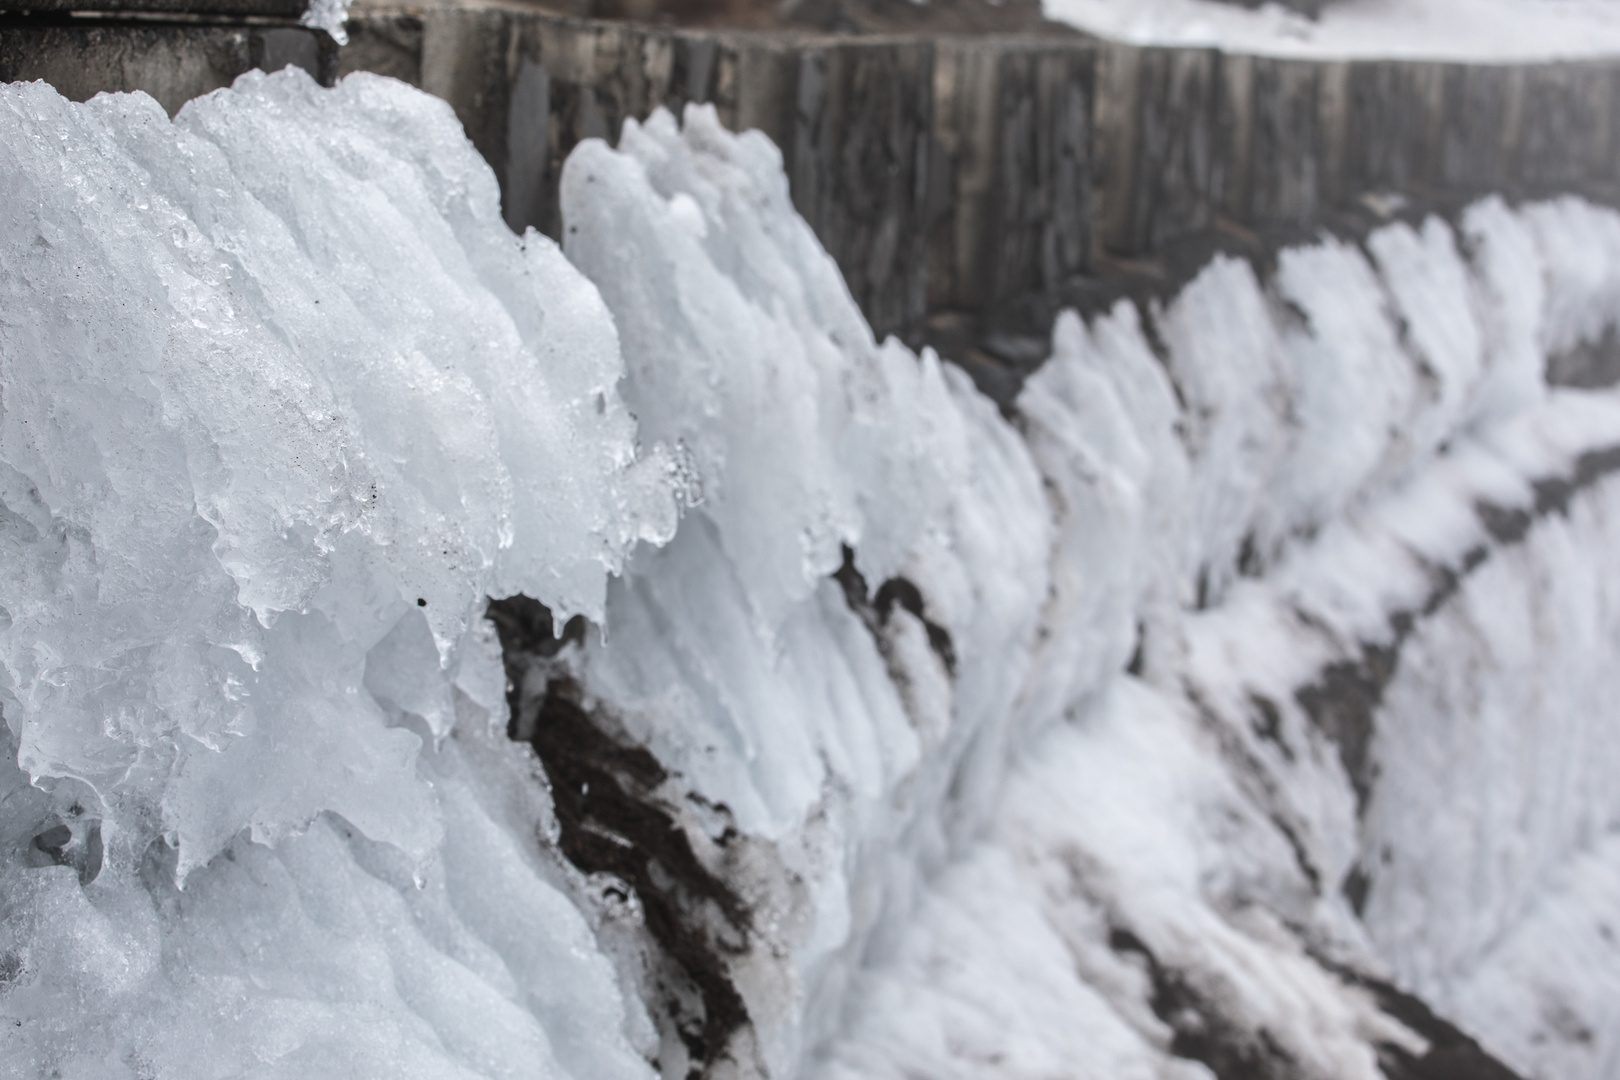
(1393, 119)
(1176, 178)
(172, 62)
(990, 190)
(1038, 218)
(977, 174)
(1287, 148)
(1291, 141)
(1564, 135)
(269, 9)
(1478, 120)
(857, 154)
(1011, 183)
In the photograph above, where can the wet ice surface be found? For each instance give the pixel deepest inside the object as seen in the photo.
(979, 747)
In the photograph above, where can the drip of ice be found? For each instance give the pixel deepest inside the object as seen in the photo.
(328, 15)
(1000, 734)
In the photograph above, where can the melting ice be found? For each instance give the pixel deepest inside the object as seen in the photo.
(958, 744)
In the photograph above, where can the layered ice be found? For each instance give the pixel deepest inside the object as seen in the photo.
(283, 403)
(1495, 754)
(1174, 724)
(732, 653)
(1207, 860)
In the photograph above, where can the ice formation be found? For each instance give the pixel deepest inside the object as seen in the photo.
(1248, 669)
(283, 402)
(328, 15)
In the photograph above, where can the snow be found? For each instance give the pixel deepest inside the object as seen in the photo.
(282, 401)
(1481, 31)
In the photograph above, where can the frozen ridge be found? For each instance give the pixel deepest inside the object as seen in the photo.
(1200, 719)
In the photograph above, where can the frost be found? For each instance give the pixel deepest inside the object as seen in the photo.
(998, 735)
(729, 653)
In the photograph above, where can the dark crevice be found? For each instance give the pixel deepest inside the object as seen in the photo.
(1199, 1029)
(527, 630)
(1138, 659)
(77, 845)
(1447, 580)
(876, 611)
(1589, 364)
(1554, 494)
(1452, 1054)
(613, 822)
(1341, 703)
(1357, 884)
(1302, 857)
(1249, 563)
(996, 360)
(1201, 1032)
(1505, 524)
(1255, 777)
(1266, 722)
(526, 626)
